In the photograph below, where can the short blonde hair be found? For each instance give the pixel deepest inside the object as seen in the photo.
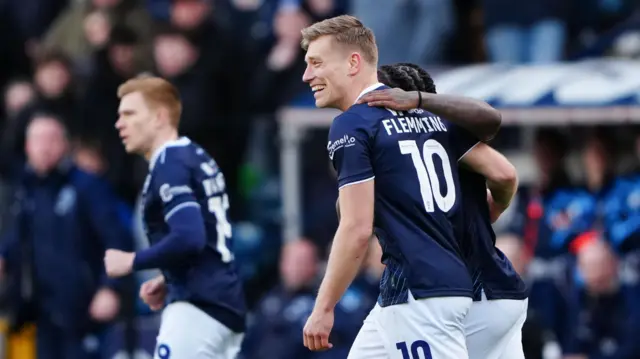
(346, 30)
(156, 91)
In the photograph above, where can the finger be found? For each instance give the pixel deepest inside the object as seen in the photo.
(366, 97)
(305, 340)
(310, 343)
(318, 340)
(150, 288)
(380, 92)
(381, 104)
(376, 94)
(374, 97)
(324, 338)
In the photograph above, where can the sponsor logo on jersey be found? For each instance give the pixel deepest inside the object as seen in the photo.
(167, 192)
(344, 141)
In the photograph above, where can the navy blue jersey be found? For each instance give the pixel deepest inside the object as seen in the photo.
(491, 270)
(412, 156)
(181, 176)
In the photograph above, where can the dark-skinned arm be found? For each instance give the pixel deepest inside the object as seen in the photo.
(475, 116)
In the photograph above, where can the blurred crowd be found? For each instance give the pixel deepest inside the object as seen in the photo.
(68, 189)
(573, 235)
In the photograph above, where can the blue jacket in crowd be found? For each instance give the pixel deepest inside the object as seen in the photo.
(548, 223)
(58, 230)
(606, 326)
(621, 212)
(276, 328)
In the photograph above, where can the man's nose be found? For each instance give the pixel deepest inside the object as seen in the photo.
(308, 75)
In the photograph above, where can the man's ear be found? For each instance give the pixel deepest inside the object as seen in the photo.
(355, 63)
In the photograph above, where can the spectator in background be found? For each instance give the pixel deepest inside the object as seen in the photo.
(180, 60)
(18, 94)
(409, 30)
(599, 158)
(51, 253)
(613, 199)
(98, 108)
(529, 31)
(85, 27)
(604, 313)
(545, 220)
(187, 66)
(28, 20)
(275, 328)
(190, 15)
(53, 85)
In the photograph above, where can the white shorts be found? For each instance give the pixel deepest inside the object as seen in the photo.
(188, 332)
(494, 328)
(419, 329)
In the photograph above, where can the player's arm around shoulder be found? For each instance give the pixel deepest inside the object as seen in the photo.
(475, 116)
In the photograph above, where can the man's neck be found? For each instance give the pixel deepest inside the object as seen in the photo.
(356, 90)
(161, 140)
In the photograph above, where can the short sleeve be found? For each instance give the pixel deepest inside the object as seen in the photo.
(349, 149)
(462, 141)
(172, 184)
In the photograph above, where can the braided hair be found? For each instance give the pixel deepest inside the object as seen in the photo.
(407, 76)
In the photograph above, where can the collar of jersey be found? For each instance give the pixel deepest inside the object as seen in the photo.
(182, 141)
(369, 89)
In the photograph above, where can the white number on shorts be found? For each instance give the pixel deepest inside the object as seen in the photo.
(219, 205)
(417, 347)
(427, 175)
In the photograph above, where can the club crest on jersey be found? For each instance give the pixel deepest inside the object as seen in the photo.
(344, 141)
(65, 201)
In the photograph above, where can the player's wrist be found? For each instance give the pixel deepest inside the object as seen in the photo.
(416, 99)
(323, 306)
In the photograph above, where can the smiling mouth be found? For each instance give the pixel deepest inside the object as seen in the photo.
(317, 88)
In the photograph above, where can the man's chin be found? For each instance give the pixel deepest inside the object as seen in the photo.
(320, 103)
(130, 149)
(324, 103)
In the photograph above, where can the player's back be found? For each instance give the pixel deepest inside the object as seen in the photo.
(181, 174)
(491, 270)
(411, 155)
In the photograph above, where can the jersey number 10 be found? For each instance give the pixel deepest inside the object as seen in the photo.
(427, 175)
(413, 352)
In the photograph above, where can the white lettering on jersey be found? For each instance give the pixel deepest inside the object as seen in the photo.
(207, 168)
(409, 124)
(214, 185)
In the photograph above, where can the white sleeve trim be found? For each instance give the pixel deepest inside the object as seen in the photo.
(469, 150)
(356, 182)
(179, 207)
